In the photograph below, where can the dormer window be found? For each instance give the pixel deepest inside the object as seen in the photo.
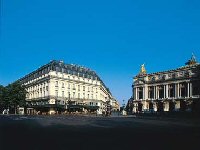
(170, 75)
(174, 75)
(164, 77)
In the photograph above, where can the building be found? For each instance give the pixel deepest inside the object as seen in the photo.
(58, 87)
(172, 90)
(114, 105)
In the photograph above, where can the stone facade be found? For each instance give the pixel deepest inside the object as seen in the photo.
(57, 87)
(172, 90)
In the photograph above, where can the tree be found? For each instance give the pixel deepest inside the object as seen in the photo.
(14, 96)
(2, 94)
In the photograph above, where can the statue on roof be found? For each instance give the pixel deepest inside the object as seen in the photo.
(143, 70)
(192, 60)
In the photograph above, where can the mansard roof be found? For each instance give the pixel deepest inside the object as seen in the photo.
(60, 66)
(72, 69)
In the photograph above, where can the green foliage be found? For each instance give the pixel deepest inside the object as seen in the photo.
(2, 91)
(12, 96)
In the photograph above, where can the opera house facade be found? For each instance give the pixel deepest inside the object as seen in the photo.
(58, 87)
(167, 91)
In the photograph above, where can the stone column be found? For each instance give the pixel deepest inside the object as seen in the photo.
(167, 91)
(164, 91)
(178, 90)
(175, 94)
(188, 89)
(146, 92)
(136, 93)
(154, 92)
(157, 91)
(143, 97)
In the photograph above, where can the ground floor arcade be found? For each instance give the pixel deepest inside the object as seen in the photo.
(168, 105)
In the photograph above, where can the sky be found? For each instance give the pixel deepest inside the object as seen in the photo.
(111, 37)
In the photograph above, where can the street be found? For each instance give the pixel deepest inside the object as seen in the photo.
(91, 132)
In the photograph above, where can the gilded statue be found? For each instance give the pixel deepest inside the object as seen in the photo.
(142, 70)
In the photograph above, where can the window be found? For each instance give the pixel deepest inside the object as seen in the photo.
(56, 93)
(174, 75)
(161, 91)
(83, 88)
(140, 93)
(56, 83)
(151, 92)
(170, 75)
(63, 85)
(78, 87)
(57, 69)
(183, 89)
(68, 85)
(63, 94)
(88, 96)
(78, 95)
(160, 77)
(63, 70)
(171, 90)
(73, 94)
(47, 88)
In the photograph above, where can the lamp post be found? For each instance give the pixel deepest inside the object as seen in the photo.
(123, 105)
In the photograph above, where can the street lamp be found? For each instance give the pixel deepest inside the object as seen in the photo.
(123, 105)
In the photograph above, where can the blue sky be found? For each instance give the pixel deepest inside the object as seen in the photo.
(111, 37)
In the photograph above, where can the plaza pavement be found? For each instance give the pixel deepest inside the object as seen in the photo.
(94, 132)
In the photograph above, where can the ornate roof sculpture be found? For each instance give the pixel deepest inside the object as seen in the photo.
(192, 61)
(184, 71)
(142, 70)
